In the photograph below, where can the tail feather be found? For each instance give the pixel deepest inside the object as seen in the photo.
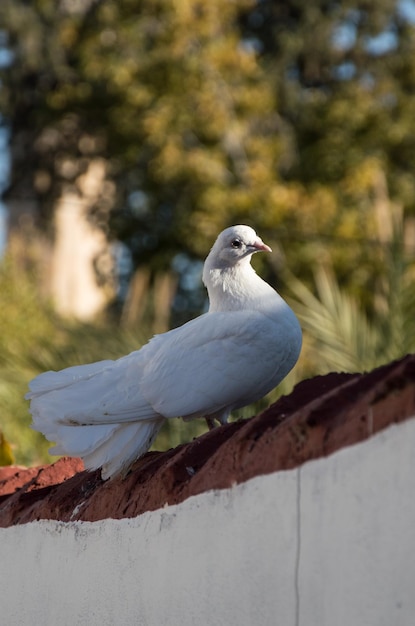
(51, 381)
(96, 412)
(130, 441)
(79, 440)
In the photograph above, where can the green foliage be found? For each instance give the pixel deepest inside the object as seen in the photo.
(279, 114)
(26, 329)
(168, 93)
(340, 334)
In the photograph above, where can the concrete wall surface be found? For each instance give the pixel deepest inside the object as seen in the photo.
(329, 544)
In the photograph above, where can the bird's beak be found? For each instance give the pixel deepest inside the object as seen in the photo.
(260, 246)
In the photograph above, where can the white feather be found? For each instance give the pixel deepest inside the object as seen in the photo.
(110, 412)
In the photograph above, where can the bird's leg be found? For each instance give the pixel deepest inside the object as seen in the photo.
(223, 419)
(219, 416)
(210, 421)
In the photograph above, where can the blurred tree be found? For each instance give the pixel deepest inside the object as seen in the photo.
(344, 74)
(282, 114)
(167, 92)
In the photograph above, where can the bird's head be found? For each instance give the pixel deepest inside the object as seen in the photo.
(234, 245)
(230, 279)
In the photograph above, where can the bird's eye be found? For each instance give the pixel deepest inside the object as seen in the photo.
(236, 243)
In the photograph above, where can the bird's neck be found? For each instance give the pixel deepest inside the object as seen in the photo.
(235, 288)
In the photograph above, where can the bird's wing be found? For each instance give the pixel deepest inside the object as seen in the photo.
(216, 361)
(106, 392)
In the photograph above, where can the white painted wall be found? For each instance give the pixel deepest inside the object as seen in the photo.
(329, 544)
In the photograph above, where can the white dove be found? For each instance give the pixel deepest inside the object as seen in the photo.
(110, 412)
